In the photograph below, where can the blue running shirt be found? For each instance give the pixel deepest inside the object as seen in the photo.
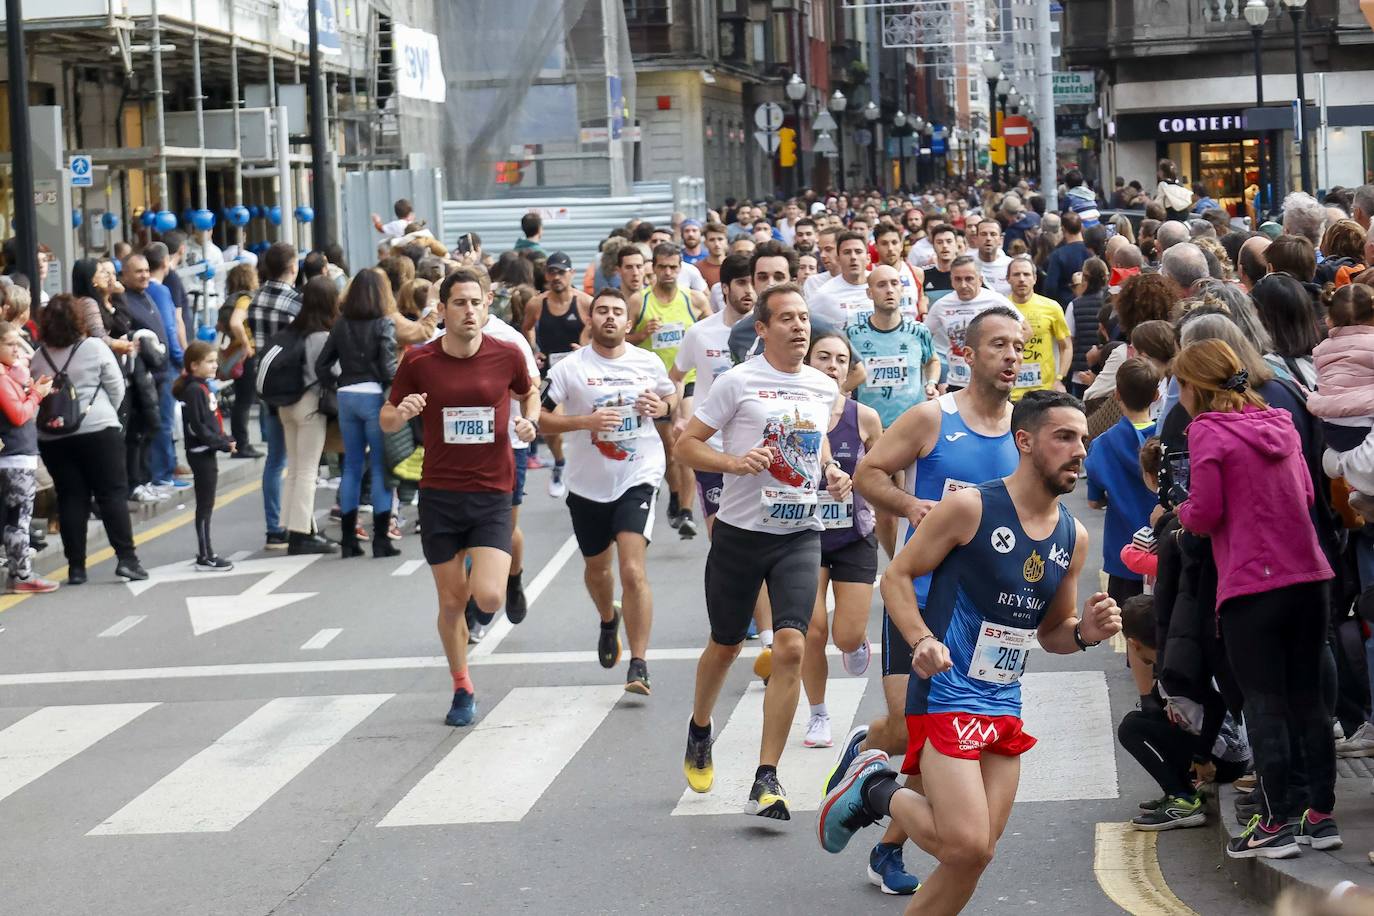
(895, 361)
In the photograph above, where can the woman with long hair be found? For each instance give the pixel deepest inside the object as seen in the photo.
(1250, 492)
(237, 349)
(303, 423)
(1285, 309)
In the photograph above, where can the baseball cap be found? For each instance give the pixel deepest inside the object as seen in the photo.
(558, 261)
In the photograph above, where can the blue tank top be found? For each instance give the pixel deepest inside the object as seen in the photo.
(986, 600)
(847, 448)
(961, 458)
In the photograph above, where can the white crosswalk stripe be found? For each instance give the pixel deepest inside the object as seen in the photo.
(222, 785)
(54, 734)
(528, 739)
(802, 770)
(1070, 715)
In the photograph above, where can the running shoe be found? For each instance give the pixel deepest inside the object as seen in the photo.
(843, 813)
(818, 732)
(608, 642)
(1257, 841)
(534, 463)
(1360, 744)
(477, 631)
(463, 710)
(852, 741)
(146, 494)
(856, 663)
(686, 528)
(888, 873)
(557, 488)
(131, 570)
(763, 665)
(1153, 803)
(516, 605)
(637, 678)
(173, 484)
(1322, 834)
(696, 764)
(33, 585)
(1175, 812)
(213, 564)
(768, 798)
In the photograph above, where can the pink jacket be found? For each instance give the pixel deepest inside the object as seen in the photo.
(1249, 489)
(1345, 374)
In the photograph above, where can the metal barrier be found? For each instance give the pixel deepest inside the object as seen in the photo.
(365, 193)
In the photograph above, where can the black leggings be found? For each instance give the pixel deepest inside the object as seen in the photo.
(83, 466)
(1274, 642)
(1165, 751)
(205, 468)
(245, 396)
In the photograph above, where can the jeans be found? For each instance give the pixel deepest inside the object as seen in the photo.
(362, 433)
(269, 424)
(85, 465)
(162, 453)
(305, 432)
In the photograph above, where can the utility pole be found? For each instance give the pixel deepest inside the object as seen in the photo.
(323, 185)
(1044, 81)
(21, 143)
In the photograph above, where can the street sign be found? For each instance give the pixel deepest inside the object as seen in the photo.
(768, 116)
(82, 175)
(937, 145)
(824, 144)
(1074, 87)
(768, 141)
(863, 136)
(1017, 130)
(823, 122)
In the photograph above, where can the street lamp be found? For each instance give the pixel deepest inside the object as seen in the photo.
(899, 131)
(837, 105)
(796, 91)
(1257, 14)
(992, 72)
(1295, 10)
(871, 115)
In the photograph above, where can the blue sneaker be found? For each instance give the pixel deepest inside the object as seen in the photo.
(886, 871)
(463, 710)
(175, 483)
(848, 751)
(843, 812)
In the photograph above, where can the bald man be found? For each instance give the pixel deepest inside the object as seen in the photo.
(1252, 264)
(1183, 265)
(1171, 232)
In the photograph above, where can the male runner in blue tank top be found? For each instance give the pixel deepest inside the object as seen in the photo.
(1005, 558)
(958, 440)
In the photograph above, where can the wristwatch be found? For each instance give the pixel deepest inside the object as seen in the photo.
(1078, 638)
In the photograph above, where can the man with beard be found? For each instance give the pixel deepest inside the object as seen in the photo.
(804, 237)
(1004, 559)
(887, 240)
(949, 317)
(606, 397)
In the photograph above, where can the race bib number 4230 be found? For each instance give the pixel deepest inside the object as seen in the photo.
(999, 657)
(668, 336)
(469, 425)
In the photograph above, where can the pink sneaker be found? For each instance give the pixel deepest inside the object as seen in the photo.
(31, 586)
(534, 463)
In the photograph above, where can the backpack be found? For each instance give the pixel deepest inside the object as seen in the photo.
(61, 413)
(281, 370)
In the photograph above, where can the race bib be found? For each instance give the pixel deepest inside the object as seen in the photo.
(629, 424)
(954, 486)
(855, 310)
(469, 425)
(556, 358)
(886, 371)
(1000, 654)
(958, 371)
(835, 513)
(1028, 376)
(668, 336)
(784, 507)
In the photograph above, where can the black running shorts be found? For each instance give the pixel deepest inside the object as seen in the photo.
(453, 522)
(856, 561)
(741, 561)
(596, 524)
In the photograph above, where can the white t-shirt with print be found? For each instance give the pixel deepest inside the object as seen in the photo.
(497, 329)
(839, 303)
(754, 405)
(602, 466)
(706, 348)
(948, 320)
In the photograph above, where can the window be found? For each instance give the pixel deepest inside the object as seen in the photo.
(759, 42)
(782, 44)
(648, 12)
(815, 13)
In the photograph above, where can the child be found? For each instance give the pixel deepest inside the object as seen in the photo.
(1114, 476)
(19, 397)
(204, 436)
(1344, 399)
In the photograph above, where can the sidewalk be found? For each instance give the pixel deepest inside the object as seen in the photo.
(1265, 879)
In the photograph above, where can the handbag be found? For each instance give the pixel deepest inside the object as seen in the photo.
(329, 401)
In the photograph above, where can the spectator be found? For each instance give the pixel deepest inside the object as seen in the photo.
(303, 423)
(1081, 317)
(1293, 255)
(1121, 227)
(1343, 251)
(1203, 201)
(1170, 233)
(1066, 260)
(1121, 197)
(1080, 199)
(405, 215)
(176, 257)
(1182, 266)
(162, 457)
(19, 399)
(1171, 194)
(532, 229)
(1145, 297)
(1303, 216)
(1253, 263)
(1285, 310)
(1362, 206)
(237, 349)
(86, 463)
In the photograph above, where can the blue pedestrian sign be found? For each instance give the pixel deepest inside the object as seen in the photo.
(81, 172)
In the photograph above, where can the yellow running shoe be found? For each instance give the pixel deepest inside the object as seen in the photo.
(696, 765)
(768, 798)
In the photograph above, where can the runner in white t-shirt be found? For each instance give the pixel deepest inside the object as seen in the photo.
(844, 299)
(887, 239)
(605, 397)
(950, 315)
(992, 260)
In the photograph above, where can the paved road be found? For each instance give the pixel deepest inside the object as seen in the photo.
(271, 741)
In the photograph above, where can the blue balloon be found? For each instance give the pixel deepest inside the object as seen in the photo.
(255, 211)
(77, 219)
(166, 220)
(207, 333)
(239, 215)
(203, 219)
(109, 220)
(148, 218)
(274, 215)
(305, 214)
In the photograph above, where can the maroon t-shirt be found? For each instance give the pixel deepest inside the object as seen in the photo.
(467, 413)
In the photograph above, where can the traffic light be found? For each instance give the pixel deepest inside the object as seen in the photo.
(787, 147)
(997, 150)
(509, 172)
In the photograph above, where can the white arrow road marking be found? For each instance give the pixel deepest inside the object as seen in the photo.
(212, 612)
(54, 734)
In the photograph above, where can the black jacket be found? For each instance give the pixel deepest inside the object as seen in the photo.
(364, 350)
(200, 417)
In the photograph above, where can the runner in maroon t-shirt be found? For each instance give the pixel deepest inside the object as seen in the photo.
(460, 387)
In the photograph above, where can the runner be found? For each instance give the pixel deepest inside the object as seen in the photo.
(938, 447)
(629, 261)
(849, 554)
(469, 468)
(600, 396)
(944, 240)
(660, 317)
(949, 316)
(1005, 557)
(887, 239)
(556, 324)
(829, 266)
(770, 411)
(715, 256)
(992, 260)
(804, 239)
(843, 299)
(902, 368)
(1049, 348)
(693, 252)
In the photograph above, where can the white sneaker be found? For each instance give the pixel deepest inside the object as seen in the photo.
(856, 663)
(818, 732)
(557, 488)
(143, 493)
(1360, 744)
(477, 632)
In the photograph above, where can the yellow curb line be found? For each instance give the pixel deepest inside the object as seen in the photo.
(1127, 868)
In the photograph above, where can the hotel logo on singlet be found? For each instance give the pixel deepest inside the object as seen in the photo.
(1034, 568)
